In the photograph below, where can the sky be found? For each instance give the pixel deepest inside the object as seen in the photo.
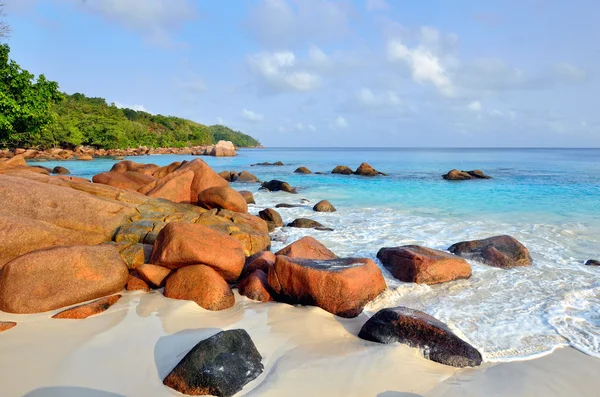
(361, 73)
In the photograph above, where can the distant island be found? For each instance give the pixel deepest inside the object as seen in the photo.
(35, 114)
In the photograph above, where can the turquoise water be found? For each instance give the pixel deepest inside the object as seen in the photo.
(547, 198)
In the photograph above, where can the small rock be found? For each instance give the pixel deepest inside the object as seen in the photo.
(256, 287)
(89, 309)
(247, 177)
(85, 157)
(201, 284)
(342, 169)
(6, 325)
(478, 174)
(499, 251)
(270, 215)
(302, 170)
(60, 170)
(592, 262)
(365, 169)
(456, 175)
(418, 329)
(284, 205)
(154, 275)
(136, 284)
(324, 206)
(220, 365)
(276, 185)
(248, 196)
(306, 223)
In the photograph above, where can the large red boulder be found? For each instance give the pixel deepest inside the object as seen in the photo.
(201, 284)
(222, 197)
(416, 264)
(308, 248)
(256, 287)
(261, 260)
(154, 275)
(124, 180)
(61, 276)
(340, 286)
(184, 244)
(189, 180)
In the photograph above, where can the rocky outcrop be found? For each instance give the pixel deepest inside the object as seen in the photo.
(62, 276)
(276, 185)
(498, 251)
(271, 216)
(220, 366)
(222, 149)
(340, 286)
(89, 309)
(255, 286)
(365, 169)
(201, 284)
(420, 330)
(324, 206)
(306, 223)
(342, 169)
(222, 197)
(416, 264)
(456, 175)
(184, 244)
(302, 170)
(124, 180)
(248, 196)
(308, 248)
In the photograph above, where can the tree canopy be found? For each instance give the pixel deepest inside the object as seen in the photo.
(33, 113)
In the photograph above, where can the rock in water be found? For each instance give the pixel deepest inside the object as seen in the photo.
(60, 170)
(220, 365)
(456, 175)
(592, 262)
(222, 197)
(270, 215)
(478, 174)
(306, 223)
(418, 329)
(340, 286)
(302, 170)
(248, 196)
(342, 169)
(308, 248)
(61, 276)
(499, 251)
(223, 149)
(247, 177)
(416, 264)
(276, 185)
(201, 284)
(365, 169)
(324, 206)
(89, 309)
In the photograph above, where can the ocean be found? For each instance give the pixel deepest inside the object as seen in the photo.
(549, 199)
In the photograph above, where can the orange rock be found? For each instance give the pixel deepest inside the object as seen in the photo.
(222, 197)
(124, 180)
(174, 187)
(340, 286)
(136, 284)
(61, 276)
(255, 287)
(12, 170)
(154, 275)
(308, 248)
(261, 260)
(201, 284)
(183, 244)
(71, 178)
(128, 165)
(166, 170)
(416, 264)
(6, 325)
(89, 309)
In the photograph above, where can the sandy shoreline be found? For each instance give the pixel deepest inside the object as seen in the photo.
(129, 349)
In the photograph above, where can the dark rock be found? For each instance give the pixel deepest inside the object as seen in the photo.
(456, 175)
(320, 173)
(304, 223)
(275, 186)
(499, 251)
(592, 262)
(284, 205)
(478, 174)
(270, 215)
(220, 365)
(416, 264)
(302, 170)
(277, 163)
(418, 329)
(324, 206)
(60, 170)
(342, 169)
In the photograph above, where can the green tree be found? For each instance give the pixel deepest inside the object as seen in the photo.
(25, 103)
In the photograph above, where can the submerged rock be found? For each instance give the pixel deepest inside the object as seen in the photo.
(277, 163)
(89, 309)
(418, 329)
(201, 284)
(285, 205)
(499, 251)
(324, 206)
(222, 197)
(276, 185)
(302, 170)
(340, 286)
(308, 248)
(342, 169)
(220, 366)
(416, 264)
(592, 262)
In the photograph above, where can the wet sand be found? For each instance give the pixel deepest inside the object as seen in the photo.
(130, 348)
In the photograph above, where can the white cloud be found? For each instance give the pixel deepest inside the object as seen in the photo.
(474, 106)
(137, 108)
(252, 116)
(339, 123)
(377, 5)
(425, 67)
(280, 72)
(281, 23)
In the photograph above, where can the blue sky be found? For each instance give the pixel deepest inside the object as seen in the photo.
(332, 73)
